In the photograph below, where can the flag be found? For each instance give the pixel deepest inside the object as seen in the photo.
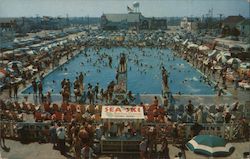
(129, 9)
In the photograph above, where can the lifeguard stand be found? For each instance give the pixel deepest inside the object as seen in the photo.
(120, 91)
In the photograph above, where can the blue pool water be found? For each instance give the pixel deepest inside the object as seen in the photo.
(144, 77)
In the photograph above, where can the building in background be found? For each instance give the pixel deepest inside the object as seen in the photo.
(244, 27)
(121, 21)
(232, 21)
(131, 20)
(7, 33)
(189, 24)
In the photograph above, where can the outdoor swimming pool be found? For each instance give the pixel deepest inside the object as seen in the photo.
(144, 71)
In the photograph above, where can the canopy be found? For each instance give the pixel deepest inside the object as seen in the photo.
(122, 112)
(210, 145)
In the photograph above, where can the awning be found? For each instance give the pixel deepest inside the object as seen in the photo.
(122, 112)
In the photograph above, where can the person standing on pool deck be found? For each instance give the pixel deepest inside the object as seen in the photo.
(34, 85)
(68, 88)
(15, 90)
(165, 103)
(63, 82)
(96, 90)
(81, 78)
(40, 89)
(76, 88)
(190, 108)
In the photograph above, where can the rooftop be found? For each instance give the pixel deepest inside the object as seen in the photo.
(129, 17)
(233, 19)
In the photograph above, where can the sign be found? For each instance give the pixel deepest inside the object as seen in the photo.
(122, 112)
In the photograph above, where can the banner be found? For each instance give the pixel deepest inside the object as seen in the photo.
(122, 112)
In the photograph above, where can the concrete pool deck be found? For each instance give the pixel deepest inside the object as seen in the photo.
(42, 151)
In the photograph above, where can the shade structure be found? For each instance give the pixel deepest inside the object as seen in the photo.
(234, 60)
(210, 145)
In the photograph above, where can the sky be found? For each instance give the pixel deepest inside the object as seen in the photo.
(149, 8)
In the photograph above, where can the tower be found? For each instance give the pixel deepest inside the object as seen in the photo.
(136, 6)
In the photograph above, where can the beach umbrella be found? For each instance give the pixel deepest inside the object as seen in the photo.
(223, 57)
(214, 53)
(236, 47)
(15, 63)
(210, 145)
(44, 49)
(233, 61)
(31, 52)
(245, 65)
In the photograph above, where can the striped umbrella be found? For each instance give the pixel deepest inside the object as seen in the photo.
(210, 145)
(234, 60)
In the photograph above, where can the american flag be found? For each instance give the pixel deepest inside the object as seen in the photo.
(129, 9)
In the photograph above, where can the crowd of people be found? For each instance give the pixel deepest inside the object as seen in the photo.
(80, 126)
